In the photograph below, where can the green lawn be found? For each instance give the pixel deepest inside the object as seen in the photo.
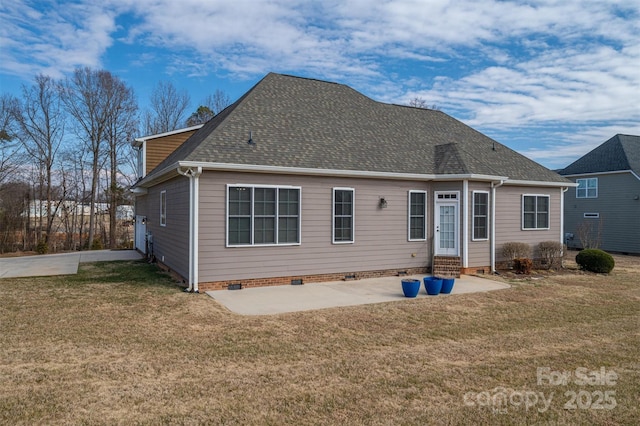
(119, 343)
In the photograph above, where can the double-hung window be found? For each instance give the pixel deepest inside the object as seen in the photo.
(480, 215)
(535, 212)
(343, 209)
(163, 208)
(417, 215)
(587, 188)
(263, 215)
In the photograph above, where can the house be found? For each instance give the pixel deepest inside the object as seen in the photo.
(302, 179)
(604, 209)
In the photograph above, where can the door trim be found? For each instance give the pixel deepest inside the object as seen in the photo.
(442, 198)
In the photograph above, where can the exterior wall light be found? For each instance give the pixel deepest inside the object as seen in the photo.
(382, 203)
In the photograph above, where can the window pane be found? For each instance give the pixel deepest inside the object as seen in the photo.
(288, 202)
(529, 204)
(529, 220)
(417, 216)
(264, 230)
(543, 204)
(239, 230)
(265, 201)
(239, 201)
(288, 230)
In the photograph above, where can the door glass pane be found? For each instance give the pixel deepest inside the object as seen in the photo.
(447, 227)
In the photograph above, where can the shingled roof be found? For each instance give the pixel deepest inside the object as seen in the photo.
(621, 152)
(310, 124)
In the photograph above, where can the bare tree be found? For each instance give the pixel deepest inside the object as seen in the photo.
(10, 155)
(590, 233)
(41, 122)
(121, 126)
(168, 108)
(93, 98)
(217, 101)
(422, 103)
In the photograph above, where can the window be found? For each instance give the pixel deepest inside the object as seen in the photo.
(480, 215)
(343, 215)
(163, 208)
(587, 188)
(535, 212)
(263, 215)
(417, 215)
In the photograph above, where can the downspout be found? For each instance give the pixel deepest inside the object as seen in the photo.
(562, 238)
(494, 185)
(194, 201)
(465, 224)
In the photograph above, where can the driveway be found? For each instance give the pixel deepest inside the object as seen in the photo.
(59, 264)
(293, 298)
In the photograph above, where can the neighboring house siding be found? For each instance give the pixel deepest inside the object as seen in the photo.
(380, 234)
(170, 242)
(619, 212)
(159, 148)
(509, 217)
(479, 251)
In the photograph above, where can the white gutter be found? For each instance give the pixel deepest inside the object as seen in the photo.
(159, 176)
(194, 200)
(465, 224)
(537, 183)
(493, 224)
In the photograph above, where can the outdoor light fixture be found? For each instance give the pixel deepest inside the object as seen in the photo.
(383, 203)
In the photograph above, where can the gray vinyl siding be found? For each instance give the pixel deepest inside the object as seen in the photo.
(509, 217)
(380, 234)
(479, 251)
(619, 212)
(172, 240)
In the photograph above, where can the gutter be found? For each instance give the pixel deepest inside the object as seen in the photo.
(492, 249)
(194, 201)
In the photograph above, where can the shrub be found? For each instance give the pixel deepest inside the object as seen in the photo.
(97, 244)
(522, 265)
(515, 250)
(550, 252)
(595, 260)
(42, 247)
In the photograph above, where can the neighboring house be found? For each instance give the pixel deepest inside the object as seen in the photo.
(308, 180)
(604, 209)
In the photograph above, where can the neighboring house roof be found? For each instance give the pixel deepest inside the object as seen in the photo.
(621, 152)
(310, 124)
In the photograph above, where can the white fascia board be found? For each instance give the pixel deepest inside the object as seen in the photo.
(139, 141)
(514, 182)
(333, 172)
(615, 172)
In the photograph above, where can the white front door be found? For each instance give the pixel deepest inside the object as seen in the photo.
(141, 234)
(446, 223)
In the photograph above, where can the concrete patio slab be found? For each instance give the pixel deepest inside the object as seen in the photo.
(294, 298)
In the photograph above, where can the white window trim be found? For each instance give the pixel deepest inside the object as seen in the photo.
(253, 186)
(473, 215)
(522, 212)
(409, 215)
(163, 208)
(587, 188)
(333, 215)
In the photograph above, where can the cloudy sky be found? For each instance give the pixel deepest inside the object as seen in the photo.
(549, 78)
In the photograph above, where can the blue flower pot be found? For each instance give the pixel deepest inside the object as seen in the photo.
(410, 287)
(432, 285)
(447, 285)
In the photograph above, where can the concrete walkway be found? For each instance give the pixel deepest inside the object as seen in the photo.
(59, 264)
(293, 298)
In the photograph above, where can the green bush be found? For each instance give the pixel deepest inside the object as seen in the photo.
(97, 244)
(595, 260)
(42, 247)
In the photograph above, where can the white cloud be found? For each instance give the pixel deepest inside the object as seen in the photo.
(501, 66)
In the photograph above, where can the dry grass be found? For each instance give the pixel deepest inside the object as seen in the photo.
(120, 344)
